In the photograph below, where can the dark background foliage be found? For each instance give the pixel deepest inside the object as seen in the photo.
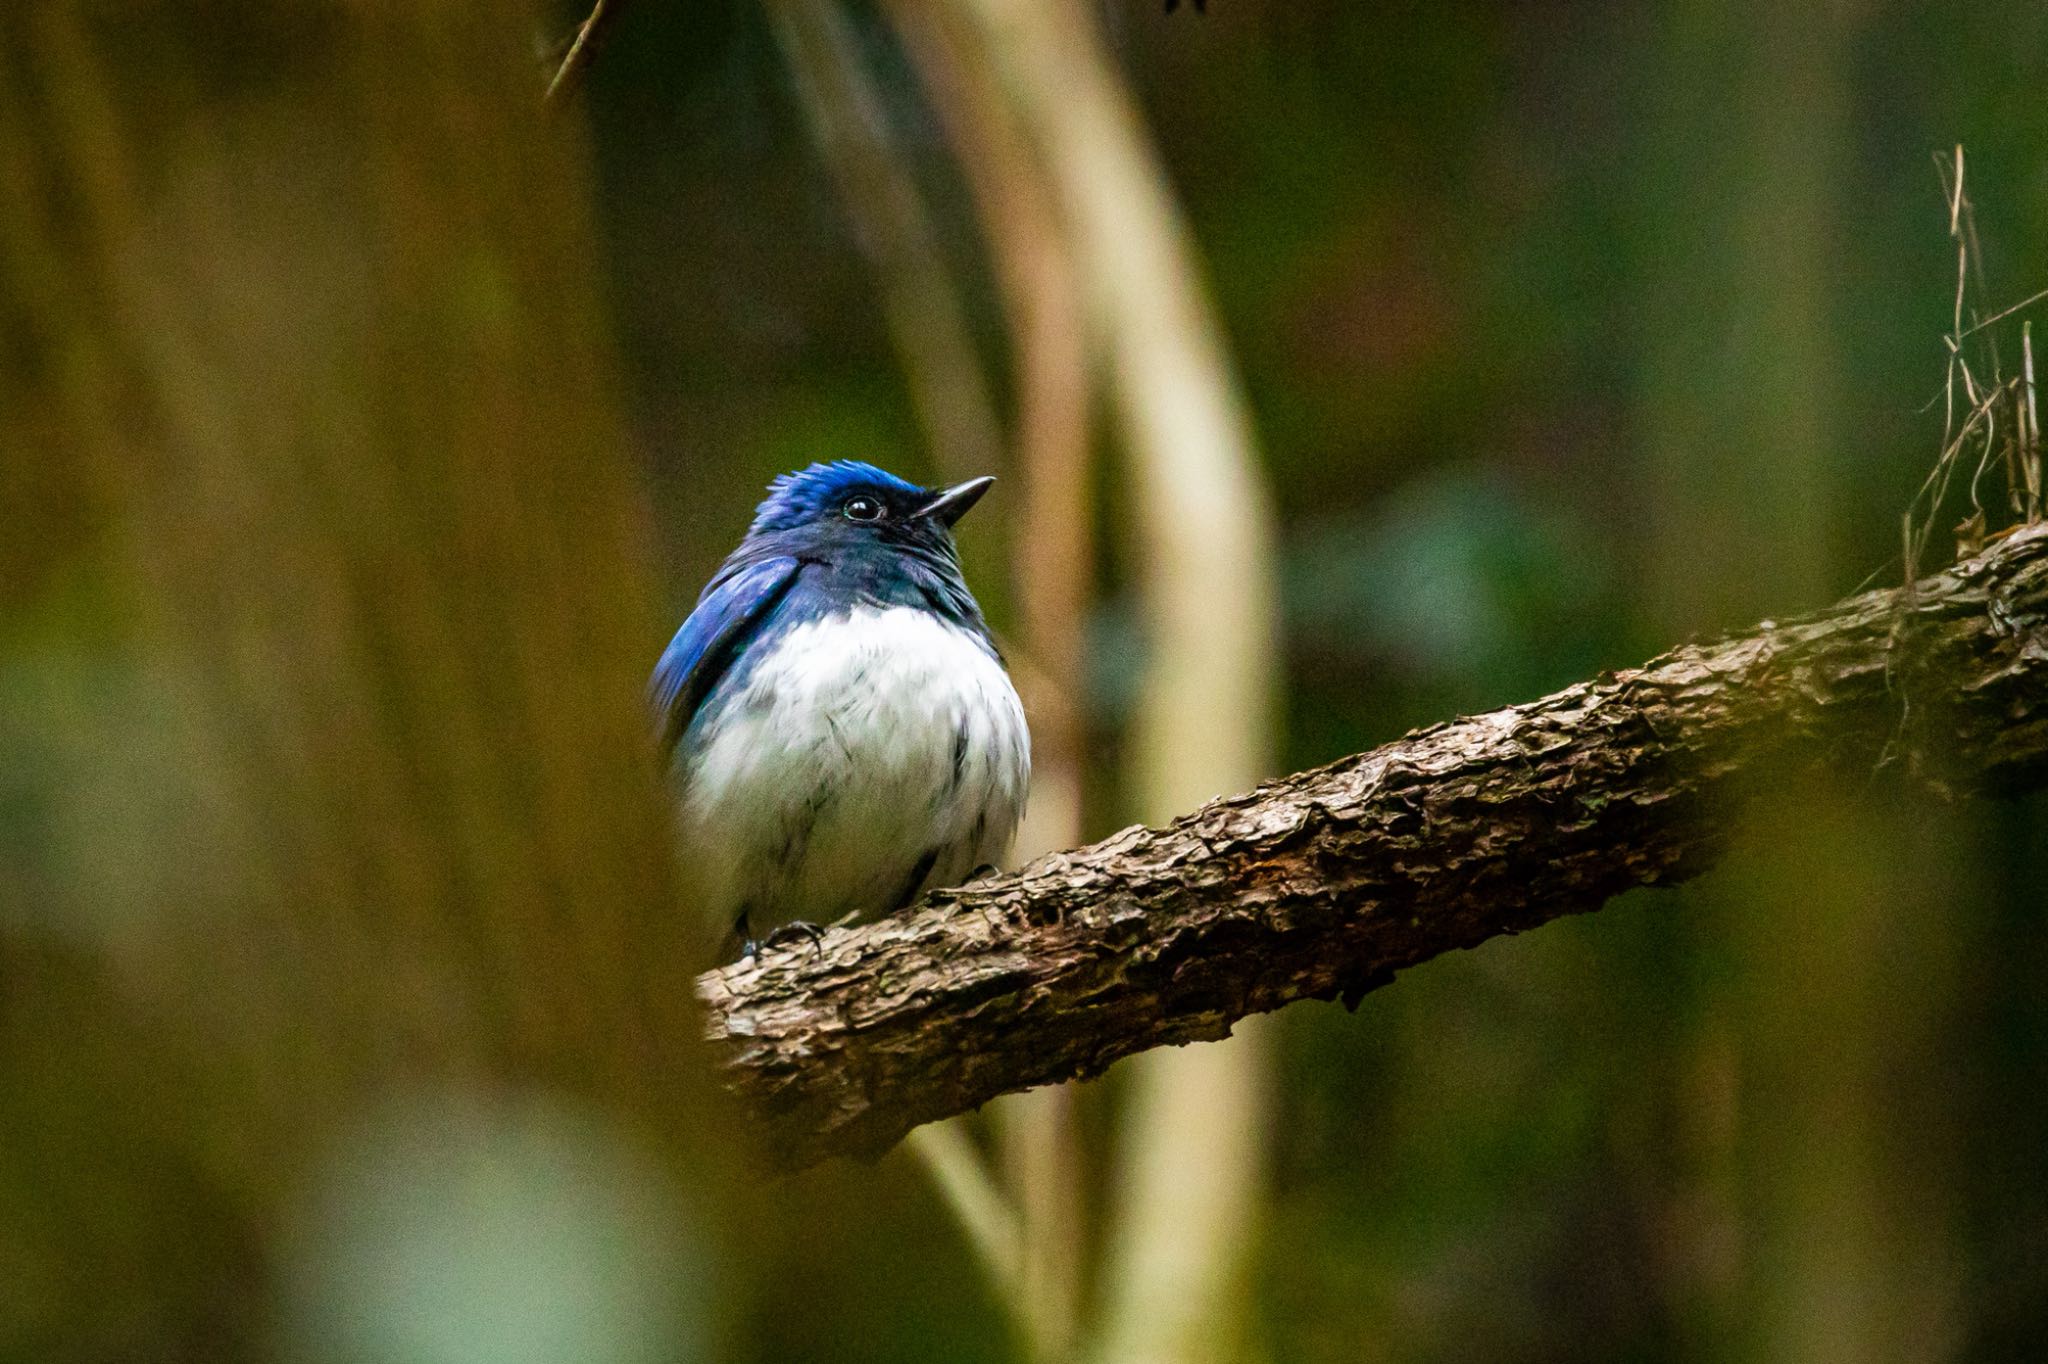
(1570, 331)
(340, 1016)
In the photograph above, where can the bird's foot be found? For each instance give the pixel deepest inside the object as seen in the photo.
(981, 873)
(750, 946)
(794, 929)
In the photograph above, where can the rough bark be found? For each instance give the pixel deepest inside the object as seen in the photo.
(1324, 884)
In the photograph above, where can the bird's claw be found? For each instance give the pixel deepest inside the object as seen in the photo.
(750, 946)
(797, 928)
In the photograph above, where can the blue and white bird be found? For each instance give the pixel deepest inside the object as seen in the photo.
(839, 727)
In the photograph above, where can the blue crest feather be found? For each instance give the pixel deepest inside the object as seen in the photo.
(796, 498)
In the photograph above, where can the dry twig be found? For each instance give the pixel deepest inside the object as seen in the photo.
(2012, 441)
(581, 50)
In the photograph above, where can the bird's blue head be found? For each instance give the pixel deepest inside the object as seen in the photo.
(850, 506)
(883, 539)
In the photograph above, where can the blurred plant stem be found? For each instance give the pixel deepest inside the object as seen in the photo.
(957, 1167)
(1190, 1170)
(1802, 1251)
(1847, 1167)
(1053, 569)
(893, 226)
(1086, 243)
(337, 777)
(1034, 1260)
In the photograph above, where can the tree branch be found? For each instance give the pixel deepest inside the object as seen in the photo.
(1324, 884)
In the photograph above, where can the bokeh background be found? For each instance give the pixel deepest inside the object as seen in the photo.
(1347, 367)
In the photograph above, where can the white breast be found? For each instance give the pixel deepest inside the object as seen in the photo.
(861, 745)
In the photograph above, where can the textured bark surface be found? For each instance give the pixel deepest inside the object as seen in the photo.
(1324, 884)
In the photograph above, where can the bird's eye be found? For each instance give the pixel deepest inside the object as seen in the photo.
(862, 509)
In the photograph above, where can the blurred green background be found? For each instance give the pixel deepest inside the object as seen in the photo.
(1567, 332)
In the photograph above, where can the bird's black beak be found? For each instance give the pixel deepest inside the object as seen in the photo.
(952, 504)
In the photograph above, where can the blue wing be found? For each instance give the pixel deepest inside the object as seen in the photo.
(736, 601)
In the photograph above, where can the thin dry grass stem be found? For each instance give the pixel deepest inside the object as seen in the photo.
(581, 49)
(2003, 313)
(2030, 444)
(1988, 418)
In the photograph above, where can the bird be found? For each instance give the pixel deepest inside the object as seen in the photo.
(839, 729)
